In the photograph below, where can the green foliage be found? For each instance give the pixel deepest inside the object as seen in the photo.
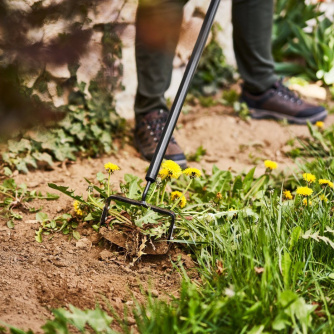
(315, 47)
(86, 321)
(319, 144)
(63, 223)
(317, 50)
(13, 196)
(242, 110)
(230, 97)
(197, 155)
(212, 71)
(288, 12)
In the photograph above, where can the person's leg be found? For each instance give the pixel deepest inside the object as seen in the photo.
(158, 25)
(265, 95)
(252, 26)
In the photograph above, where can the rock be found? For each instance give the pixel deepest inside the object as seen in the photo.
(59, 71)
(34, 184)
(188, 36)
(155, 293)
(105, 255)
(106, 11)
(311, 91)
(32, 221)
(128, 12)
(90, 62)
(83, 243)
(130, 321)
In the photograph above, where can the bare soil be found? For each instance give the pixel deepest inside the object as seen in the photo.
(35, 278)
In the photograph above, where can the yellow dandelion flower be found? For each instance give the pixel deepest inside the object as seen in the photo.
(304, 191)
(326, 182)
(319, 124)
(77, 210)
(323, 198)
(231, 209)
(110, 167)
(309, 178)
(270, 164)
(163, 173)
(174, 170)
(305, 201)
(192, 172)
(175, 195)
(219, 195)
(287, 194)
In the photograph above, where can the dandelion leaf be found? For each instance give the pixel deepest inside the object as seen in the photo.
(67, 192)
(295, 235)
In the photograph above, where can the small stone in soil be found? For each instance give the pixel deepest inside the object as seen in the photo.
(83, 243)
(130, 321)
(155, 293)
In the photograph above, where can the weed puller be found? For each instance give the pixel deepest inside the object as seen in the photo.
(170, 126)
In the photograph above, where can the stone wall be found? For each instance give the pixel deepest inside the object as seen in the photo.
(121, 14)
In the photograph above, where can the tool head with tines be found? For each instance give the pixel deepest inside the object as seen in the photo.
(159, 247)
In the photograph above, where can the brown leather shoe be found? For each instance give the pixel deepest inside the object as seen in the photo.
(279, 102)
(148, 131)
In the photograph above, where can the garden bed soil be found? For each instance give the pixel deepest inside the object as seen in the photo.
(37, 277)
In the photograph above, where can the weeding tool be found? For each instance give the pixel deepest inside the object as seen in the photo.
(169, 127)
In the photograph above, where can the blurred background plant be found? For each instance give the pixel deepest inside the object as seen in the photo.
(303, 40)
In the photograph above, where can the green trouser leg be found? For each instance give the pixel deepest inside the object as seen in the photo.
(252, 24)
(155, 48)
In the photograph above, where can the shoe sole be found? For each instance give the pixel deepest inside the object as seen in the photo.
(267, 114)
(182, 162)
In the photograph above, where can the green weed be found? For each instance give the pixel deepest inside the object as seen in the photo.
(13, 196)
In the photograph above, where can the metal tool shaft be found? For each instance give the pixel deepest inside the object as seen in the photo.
(182, 92)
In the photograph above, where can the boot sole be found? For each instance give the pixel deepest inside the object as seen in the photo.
(181, 161)
(267, 114)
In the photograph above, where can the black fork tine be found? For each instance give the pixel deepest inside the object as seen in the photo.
(143, 204)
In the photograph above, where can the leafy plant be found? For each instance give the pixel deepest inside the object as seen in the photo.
(319, 144)
(13, 196)
(84, 321)
(63, 223)
(291, 40)
(197, 155)
(317, 50)
(288, 12)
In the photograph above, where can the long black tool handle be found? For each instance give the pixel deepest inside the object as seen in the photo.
(182, 92)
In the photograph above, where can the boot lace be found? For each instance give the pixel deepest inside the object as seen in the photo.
(157, 125)
(286, 93)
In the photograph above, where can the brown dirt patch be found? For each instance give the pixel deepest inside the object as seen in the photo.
(36, 278)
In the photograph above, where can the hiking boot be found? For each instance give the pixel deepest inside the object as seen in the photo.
(279, 102)
(148, 132)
